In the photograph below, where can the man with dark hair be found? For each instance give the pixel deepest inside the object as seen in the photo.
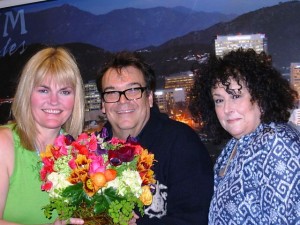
(183, 169)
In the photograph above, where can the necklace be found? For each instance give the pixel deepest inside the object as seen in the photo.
(223, 171)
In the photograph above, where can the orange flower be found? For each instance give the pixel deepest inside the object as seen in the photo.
(147, 177)
(82, 161)
(110, 174)
(98, 179)
(77, 175)
(145, 161)
(88, 186)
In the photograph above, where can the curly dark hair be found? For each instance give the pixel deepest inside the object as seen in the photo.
(266, 86)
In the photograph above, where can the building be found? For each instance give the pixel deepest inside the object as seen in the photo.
(184, 80)
(175, 98)
(166, 99)
(92, 96)
(92, 105)
(295, 76)
(295, 117)
(224, 44)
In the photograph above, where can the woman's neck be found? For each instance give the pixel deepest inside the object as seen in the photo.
(45, 138)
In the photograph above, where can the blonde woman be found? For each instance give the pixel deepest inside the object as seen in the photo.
(49, 99)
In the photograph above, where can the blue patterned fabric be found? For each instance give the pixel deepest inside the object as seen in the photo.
(262, 182)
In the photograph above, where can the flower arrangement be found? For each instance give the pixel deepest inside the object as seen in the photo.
(92, 177)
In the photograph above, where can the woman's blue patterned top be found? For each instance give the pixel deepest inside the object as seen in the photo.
(262, 183)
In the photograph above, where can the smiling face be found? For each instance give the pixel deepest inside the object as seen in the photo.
(127, 117)
(236, 113)
(51, 104)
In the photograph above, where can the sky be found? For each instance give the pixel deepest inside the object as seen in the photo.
(98, 7)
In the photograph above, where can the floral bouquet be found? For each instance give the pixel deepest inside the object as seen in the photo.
(93, 178)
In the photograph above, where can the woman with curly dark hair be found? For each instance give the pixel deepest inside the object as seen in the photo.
(257, 175)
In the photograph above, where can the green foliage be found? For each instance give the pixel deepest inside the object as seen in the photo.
(63, 208)
(75, 194)
(121, 210)
(74, 201)
(103, 200)
(126, 166)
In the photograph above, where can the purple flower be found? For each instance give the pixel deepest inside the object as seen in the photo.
(69, 139)
(104, 133)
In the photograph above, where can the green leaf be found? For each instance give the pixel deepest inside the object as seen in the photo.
(104, 199)
(75, 194)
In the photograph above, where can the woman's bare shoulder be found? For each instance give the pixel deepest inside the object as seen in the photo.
(5, 132)
(6, 150)
(6, 140)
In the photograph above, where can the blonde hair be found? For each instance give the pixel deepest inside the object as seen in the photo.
(61, 66)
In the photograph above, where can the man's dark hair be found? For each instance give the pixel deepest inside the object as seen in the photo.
(126, 58)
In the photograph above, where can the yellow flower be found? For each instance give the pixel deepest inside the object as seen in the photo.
(88, 186)
(47, 153)
(146, 196)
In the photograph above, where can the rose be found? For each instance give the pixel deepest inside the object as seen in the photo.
(123, 154)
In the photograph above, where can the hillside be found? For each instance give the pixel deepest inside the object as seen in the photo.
(280, 23)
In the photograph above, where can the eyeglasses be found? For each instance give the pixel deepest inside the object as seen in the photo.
(130, 94)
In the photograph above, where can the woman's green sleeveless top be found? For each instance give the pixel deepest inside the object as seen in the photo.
(25, 199)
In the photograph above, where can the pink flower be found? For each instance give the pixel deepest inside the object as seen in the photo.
(63, 150)
(72, 164)
(97, 164)
(83, 138)
(60, 141)
(93, 142)
(115, 141)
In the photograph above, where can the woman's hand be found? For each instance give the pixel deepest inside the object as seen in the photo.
(71, 221)
(133, 220)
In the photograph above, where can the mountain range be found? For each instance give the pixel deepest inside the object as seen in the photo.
(280, 24)
(169, 39)
(128, 28)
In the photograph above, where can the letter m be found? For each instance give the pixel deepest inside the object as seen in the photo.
(10, 19)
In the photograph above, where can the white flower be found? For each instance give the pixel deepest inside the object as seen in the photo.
(130, 181)
(59, 182)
